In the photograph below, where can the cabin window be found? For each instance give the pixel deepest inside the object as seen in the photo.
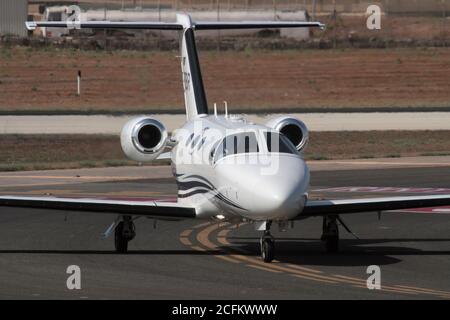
(277, 142)
(245, 142)
(189, 139)
(194, 142)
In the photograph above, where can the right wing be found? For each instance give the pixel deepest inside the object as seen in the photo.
(343, 206)
(155, 209)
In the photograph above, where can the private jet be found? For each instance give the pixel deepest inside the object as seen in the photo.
(226, 167)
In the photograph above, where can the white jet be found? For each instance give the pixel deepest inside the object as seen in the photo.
(226, 168)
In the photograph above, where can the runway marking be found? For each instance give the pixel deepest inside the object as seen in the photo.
(385, 189)
(439, 210)
(186, 233)
(185, 241)
(223, 233)
(362, 284)
(75, 192)
(201, 225)
(294, 270)
(33, 184)
(68, 177)
(421, 164)
(198, 248)
(203, 238)
(273, 266)
(309, 278)
(303, 268)
(262, 268)
(425, 290)
(383, 289)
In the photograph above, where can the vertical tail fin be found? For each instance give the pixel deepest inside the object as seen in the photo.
(194, 92)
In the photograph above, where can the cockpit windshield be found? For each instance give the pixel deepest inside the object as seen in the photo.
(247, 142)
(279, 143)
(244, 142)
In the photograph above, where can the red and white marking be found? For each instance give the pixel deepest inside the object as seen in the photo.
(386, 190)
(396, 190)
(440, 210)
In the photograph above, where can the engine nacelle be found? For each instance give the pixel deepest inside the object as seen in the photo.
(143, 139)
(294, 129)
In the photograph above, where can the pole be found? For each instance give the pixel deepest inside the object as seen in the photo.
(79, 83)
(218, 19)
(314, 10)
(335, 23)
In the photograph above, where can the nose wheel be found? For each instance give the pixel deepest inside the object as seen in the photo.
(267, 244)
(123, 233)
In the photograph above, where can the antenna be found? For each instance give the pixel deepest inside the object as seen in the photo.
(215, 109)
(226, 109)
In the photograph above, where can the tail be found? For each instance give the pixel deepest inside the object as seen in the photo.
(194, 91)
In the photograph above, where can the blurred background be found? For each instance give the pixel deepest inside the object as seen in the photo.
(346, 68)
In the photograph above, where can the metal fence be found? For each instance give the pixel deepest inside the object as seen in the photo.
(13, 14)
(436, 7)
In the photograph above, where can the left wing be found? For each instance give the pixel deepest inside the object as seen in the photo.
(156, 209)
(342, 206)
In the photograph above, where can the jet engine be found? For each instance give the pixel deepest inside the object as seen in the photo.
(294, 129)
(143, 139)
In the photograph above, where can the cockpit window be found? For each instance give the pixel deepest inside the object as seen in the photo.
(278, 143)
(244, 142)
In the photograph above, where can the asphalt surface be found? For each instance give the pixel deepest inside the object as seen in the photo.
(194, 260)
(328, 121)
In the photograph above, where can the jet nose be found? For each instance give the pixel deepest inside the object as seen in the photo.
(270, 194)
(281, 195)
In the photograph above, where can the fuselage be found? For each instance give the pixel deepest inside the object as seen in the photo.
(233, 169)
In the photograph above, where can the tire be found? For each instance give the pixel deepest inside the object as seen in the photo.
(332, 244)
(267, 250)
(120, 242)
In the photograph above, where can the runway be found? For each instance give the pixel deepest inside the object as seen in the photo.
(330, 121)
(200, 260)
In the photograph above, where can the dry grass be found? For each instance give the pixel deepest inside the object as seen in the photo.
(31, 152)
(254, 80)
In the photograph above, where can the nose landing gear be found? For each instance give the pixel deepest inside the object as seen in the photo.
(267, 244)
(124, 232)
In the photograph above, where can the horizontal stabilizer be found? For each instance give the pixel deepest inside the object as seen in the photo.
(256, 25)
(32, 25)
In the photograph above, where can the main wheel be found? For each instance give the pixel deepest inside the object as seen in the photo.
(267, 250)
(332, 244)
(120, 242)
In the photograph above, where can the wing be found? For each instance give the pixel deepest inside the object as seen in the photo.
(342, 206)
(156, 209)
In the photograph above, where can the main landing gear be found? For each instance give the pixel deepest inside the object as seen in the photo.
(124, 232)
(330, 233)
(267, 244)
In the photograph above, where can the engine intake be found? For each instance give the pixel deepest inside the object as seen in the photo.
(294, 129)
(143, 139)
